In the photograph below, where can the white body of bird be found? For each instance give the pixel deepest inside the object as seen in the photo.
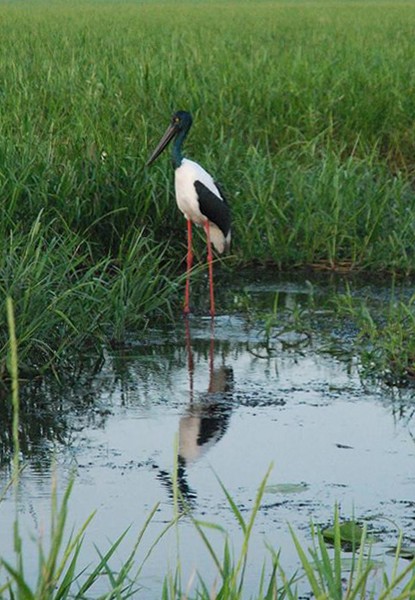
(187, 199)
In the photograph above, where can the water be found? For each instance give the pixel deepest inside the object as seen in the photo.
(229, 408)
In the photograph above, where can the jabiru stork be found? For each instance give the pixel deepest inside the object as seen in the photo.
(198, 197)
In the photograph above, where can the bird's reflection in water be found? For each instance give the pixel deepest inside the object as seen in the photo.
(206, 420)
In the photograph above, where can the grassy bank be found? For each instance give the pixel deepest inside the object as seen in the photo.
(303, 110)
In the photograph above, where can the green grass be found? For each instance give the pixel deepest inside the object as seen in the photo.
(303, 110)
(385, 339)
(326, 570)
(67, 303)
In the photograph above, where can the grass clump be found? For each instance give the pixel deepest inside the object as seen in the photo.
(333, 576)
(59, 574)
(320, 215)
(67, 303)
(385, 338)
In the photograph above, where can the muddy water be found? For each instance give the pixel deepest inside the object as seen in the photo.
(220, 403)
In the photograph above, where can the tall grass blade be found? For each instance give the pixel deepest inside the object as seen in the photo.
(14, 373)
(307, 566)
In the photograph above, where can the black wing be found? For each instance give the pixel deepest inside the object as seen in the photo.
(215, 209)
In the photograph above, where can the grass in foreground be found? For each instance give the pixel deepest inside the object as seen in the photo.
(326, 572)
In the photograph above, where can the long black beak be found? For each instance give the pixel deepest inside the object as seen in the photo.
(165, 140)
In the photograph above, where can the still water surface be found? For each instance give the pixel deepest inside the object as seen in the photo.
(229, 407)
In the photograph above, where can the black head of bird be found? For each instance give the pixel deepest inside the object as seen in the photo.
(179, 127)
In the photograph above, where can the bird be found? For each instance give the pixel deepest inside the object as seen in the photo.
(198, 197)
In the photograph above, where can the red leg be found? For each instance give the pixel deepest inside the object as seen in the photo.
(210, 265)
(189, 263)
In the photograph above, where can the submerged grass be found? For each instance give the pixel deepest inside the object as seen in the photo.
(386, 334)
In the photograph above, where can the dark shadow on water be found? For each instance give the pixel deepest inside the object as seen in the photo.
(51, 412)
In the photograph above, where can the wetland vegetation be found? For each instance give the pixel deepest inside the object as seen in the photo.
(304, 111)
